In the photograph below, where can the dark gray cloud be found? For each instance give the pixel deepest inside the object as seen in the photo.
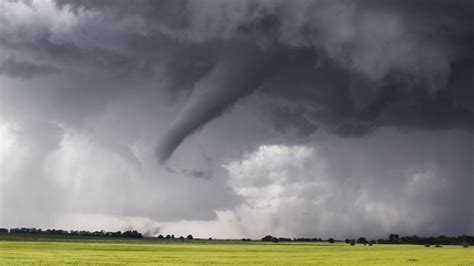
(126, 83)
(11, 67)
(395, 63)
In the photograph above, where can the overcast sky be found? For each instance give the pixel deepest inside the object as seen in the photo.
(238, 118)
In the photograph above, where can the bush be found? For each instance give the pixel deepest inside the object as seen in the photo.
(331, 240)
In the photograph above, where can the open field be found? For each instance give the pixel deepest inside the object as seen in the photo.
(78, 251)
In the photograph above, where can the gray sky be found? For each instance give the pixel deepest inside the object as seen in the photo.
(238, 118)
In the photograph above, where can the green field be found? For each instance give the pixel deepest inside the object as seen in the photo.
(80, 251)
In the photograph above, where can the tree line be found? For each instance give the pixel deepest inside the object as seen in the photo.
(102, 233)
(464, 240)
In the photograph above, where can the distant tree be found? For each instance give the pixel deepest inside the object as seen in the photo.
(210, 238)
(331, 240)
(353, 242)
(393, 238)
(130, 234)
(172, 236)
(189, 237)
(3, 230)
(168, 237)
(361, 240)
(347, 241)
(181, 237)
(442, 240)
(372, 242)
(160, 237)
(267, 238)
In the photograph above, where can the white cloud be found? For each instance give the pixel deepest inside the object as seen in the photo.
(269, 165)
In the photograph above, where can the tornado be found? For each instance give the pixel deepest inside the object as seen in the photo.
(236, 74)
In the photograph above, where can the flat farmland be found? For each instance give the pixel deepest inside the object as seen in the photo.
(76, 251)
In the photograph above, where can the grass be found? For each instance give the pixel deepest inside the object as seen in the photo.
(20, 250)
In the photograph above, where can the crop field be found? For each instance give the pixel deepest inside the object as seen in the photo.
(75, 251)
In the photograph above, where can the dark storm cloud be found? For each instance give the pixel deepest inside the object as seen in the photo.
(132, 74)
(384, 62)
(286, 118)
(27, 70)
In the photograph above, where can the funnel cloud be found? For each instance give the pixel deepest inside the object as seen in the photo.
(237, 73)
